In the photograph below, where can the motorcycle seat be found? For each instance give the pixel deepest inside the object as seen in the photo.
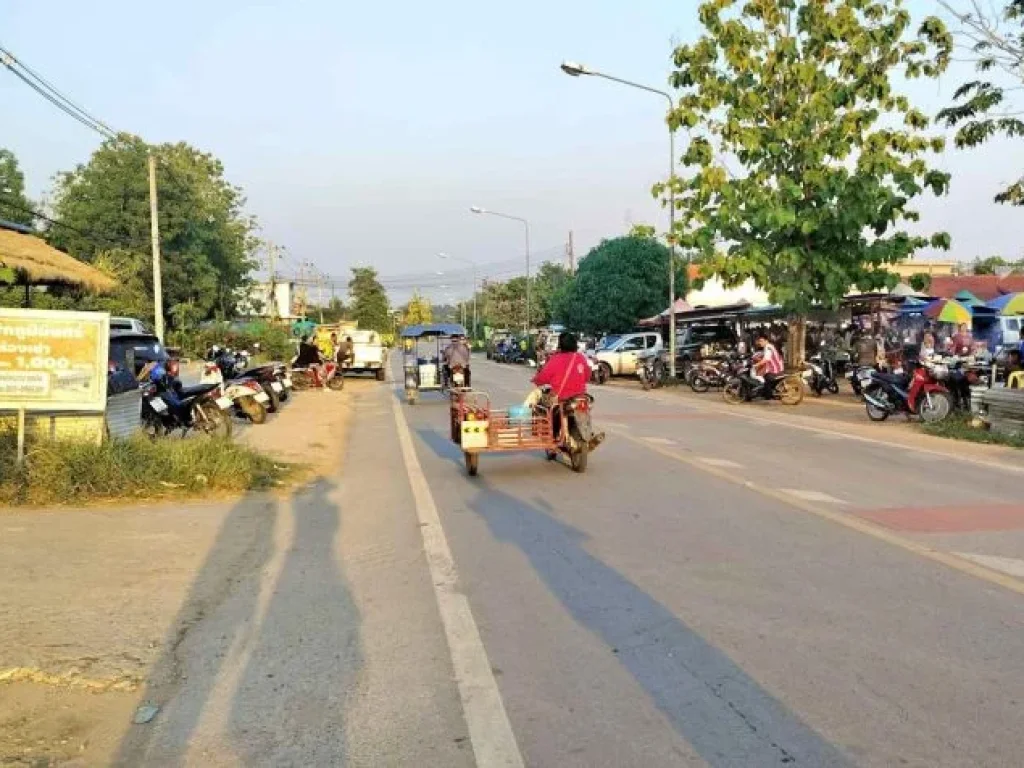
(900, 379)
(198, 389)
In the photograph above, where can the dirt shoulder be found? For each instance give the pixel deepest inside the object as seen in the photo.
(89, 597)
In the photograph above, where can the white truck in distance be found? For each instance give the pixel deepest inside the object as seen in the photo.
(369, 355)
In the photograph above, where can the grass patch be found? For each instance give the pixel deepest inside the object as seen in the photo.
(78, 472)
(958, 427)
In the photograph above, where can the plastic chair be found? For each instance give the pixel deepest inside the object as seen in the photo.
(1015, 380)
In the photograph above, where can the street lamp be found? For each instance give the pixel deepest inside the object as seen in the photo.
(473, 265)
(575, 69)
(526, 226)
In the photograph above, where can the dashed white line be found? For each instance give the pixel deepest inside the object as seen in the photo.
(490, 732)
(658, 440)
(723, 463)
(808, 495)
(614, 424)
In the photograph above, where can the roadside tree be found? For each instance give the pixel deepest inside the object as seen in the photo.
(418, 310)
(369, 301)
(798, 97)
(14, 205)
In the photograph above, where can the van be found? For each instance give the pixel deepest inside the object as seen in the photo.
(1008, 330)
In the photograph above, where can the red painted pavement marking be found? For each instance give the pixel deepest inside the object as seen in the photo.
(958, 519)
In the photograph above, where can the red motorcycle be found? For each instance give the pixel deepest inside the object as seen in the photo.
(917, 393)
(317, 377)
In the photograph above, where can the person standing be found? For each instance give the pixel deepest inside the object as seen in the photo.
(344, 353)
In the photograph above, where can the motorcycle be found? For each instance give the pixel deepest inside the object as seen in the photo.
(454, 379)
(918, 393)
(819, 375)
(743, 387)
(708, 375)
(247, 395)
(598, 372)
(652, 371)
(272, 377)
(572, 429)
(201, 407)
(329, 376)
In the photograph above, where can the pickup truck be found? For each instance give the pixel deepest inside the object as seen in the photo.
(369, 355)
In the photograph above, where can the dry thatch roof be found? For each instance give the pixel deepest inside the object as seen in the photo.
(37, 263)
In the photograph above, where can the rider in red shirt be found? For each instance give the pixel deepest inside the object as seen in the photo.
(566, 372)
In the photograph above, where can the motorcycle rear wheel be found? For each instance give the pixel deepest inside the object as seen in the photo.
(253, 409)
(578, 459)
(874, 412)
(732, 392)
(472, 463)
(604, 373)
(833, 387)
(645, 381)
(275, 402)
(699, 384)
(791, 390)
(336, 383)
(300, 380)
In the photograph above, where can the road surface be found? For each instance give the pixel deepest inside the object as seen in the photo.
(718, 589)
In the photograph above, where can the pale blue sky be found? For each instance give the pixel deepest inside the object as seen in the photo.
(363, 132)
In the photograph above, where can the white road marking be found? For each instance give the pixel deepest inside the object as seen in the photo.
(1008, 565)
(724, 463)
(808, 495)
(830, 436)
(614, 424)
(658, 440)
(490, 732)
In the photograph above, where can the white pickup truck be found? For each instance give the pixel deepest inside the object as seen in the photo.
(369, 355)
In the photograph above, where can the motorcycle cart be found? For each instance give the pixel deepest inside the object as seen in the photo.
(422, 364)
(477, 428)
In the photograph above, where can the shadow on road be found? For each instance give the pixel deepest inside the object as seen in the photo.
(710, 701)
(288, 663)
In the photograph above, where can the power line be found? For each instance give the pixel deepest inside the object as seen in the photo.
(94, 238)
(52, 95)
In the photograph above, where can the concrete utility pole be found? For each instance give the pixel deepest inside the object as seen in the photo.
(272, 269)
(571, 255)
(154, 231)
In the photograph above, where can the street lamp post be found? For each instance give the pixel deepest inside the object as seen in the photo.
(473, 265)
(526, 227)
(575, 69)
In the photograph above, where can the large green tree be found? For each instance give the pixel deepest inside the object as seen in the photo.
(368, 300)
(14, 205)
(205, 237)
(805, 158)
(619, 282)
(992, 34)
(550, 281)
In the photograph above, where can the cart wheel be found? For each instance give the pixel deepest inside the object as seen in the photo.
(551, 455)
(410, 397)
(472, 462)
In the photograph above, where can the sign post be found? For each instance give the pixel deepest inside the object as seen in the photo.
(52, 361)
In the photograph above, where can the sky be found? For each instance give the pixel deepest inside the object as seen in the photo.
(363, 132)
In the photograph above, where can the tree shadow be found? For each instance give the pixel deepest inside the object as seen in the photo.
(300, 654)
(710, 701)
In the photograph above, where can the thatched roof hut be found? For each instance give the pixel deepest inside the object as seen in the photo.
(27, 260)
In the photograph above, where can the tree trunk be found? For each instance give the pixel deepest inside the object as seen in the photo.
(796, 346)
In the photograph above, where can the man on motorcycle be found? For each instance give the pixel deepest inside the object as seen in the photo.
(566, 373)
(309, 357)
(457, 353)
(770, 362)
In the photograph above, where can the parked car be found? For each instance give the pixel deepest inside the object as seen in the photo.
(129, 325)
(693, 340)
(617, 355)
(130, 351)
(369, 355)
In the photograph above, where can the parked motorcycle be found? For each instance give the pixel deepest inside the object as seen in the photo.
(598, 373)
(168, 406)
(917, 393)
(272, 377)
(714, 375)
(246, 394)
(652, 371)
(744, 387)
(820, 375)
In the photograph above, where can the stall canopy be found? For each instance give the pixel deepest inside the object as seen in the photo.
(27, 260)
(662, 318)
(1010, 304)
(433, 329)
(948, 311)
(968, 299)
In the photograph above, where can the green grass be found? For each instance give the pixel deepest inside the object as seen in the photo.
(130, 470)
(958, 427)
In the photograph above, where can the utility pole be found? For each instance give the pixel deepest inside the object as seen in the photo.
(154, 231)
(570, 255)
(320, 294)
(272, 269)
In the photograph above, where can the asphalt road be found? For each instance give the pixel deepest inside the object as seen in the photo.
(718, 589)
(725, 591)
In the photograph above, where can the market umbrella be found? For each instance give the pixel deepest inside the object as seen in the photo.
(969, 299)
(948, 311)
(1009, 304)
